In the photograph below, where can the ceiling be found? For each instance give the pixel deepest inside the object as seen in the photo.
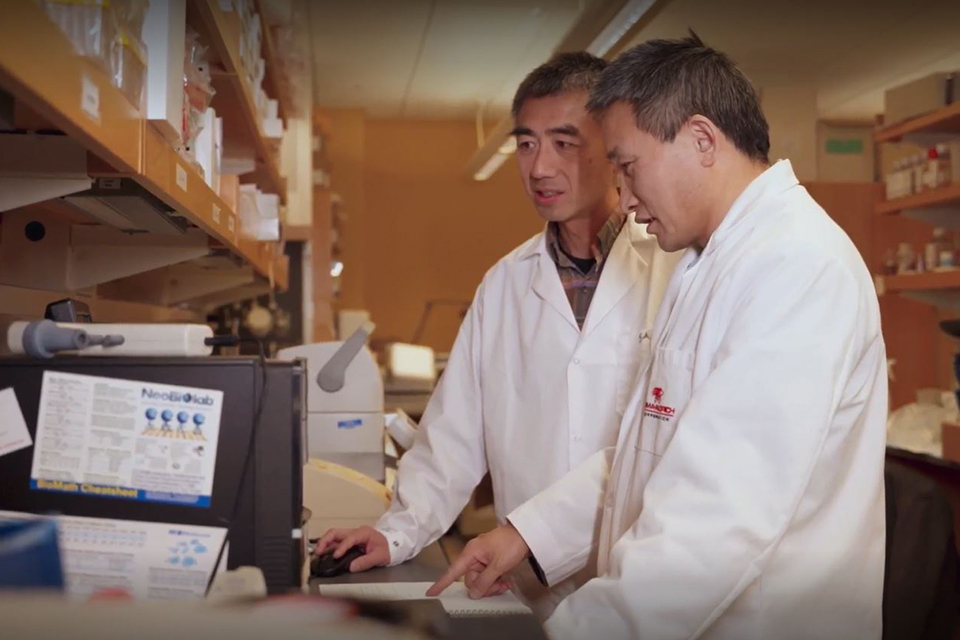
(432, 58)
(848, 50)
(446, 58)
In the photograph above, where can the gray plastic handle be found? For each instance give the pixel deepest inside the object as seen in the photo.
(43, 338)
(333, 374)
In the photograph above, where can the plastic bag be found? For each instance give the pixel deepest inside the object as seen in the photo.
(198, 90)
(918, 426)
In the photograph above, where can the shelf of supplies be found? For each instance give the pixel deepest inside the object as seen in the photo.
(234, 100)
(273, 78)
(929, 281)
(944, 196)
(39, 68)
(946, 120)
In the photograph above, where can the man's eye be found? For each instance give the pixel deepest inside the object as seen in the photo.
(563, 144)
(525, 144)
(625, 166)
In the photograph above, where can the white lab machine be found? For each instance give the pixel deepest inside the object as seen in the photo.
(345, 419)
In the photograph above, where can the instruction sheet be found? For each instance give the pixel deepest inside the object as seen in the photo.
(13, 428)
(148, 560)
(126, 439)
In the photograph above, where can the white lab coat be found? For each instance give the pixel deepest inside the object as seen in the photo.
(745, 497)
(526, 394)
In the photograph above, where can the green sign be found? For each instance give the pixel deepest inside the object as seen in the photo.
(845, 147)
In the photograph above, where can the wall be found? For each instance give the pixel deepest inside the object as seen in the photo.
(791, 112)
(422, 230)
(345, 150)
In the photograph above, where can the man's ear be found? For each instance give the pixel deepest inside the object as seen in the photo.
(705, 136)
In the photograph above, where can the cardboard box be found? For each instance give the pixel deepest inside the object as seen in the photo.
(918, 97)
(230, 191)
(163, 35)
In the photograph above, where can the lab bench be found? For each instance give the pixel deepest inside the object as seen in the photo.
(428, 566)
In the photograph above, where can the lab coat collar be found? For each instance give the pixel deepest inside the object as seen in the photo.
(535, 248)
(775, 180)
(623, 268)
(547, 285)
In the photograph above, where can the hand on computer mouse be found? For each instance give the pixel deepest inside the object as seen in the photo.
(376, 549)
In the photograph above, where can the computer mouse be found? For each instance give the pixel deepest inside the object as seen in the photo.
(326, 566)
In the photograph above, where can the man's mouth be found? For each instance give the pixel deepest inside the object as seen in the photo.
(547, 196)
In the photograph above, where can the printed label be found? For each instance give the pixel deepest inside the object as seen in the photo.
(89, 97)
(181, 178)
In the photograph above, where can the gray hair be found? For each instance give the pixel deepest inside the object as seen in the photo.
(667, 82)
(575, 71)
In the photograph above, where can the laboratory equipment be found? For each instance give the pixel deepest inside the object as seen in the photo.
(258, 447)
(44, 338)
(345, 419)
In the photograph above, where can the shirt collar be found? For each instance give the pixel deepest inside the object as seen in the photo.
(775, 180)
(600, 248)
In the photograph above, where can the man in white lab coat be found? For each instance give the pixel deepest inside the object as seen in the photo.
(545, 359)
(744, 499)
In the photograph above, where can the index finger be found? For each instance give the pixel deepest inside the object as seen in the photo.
(329, 537)
(454, 573)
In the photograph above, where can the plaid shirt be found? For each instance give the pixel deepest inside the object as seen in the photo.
(580, 286)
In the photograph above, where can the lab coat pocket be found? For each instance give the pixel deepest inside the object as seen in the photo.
(667, 394)
(632, 358)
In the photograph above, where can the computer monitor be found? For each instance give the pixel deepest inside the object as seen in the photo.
(256, 490)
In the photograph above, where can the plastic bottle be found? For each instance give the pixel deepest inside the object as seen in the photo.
(918, 166)
(944, 168)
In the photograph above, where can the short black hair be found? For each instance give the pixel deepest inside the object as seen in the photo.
(574, 71)
(667, 82)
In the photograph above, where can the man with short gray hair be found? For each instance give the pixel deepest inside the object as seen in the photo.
(744, 499)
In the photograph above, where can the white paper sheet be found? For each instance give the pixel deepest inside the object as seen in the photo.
(126, 439)
(455, 600)
(14, 434)
(148, 560)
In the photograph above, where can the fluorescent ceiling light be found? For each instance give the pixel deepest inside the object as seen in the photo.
(500, 144)
(628, 16)
(490, 166)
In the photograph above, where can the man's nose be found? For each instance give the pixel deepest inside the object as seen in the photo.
(544, 164)
(628, 201)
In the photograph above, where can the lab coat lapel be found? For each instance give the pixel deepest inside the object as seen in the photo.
(547, 285)
(624, 268)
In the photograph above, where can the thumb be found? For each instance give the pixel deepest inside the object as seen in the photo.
(376, 558)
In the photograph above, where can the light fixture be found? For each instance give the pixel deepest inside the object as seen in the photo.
(336, 269)
(496, 160)
(491, 155)
(629, 15)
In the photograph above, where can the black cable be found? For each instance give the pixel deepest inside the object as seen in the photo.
(257, 415)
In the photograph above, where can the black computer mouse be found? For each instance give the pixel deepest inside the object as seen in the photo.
(326, 566)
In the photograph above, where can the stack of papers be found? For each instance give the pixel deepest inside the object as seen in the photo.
(455, 600)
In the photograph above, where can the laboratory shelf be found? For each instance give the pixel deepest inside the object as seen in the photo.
(234, 98)
(942, 197)
(942, 121)
(273, 79)
(39, 68)
(929, 281)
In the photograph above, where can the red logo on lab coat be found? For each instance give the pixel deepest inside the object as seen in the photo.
(657, 409)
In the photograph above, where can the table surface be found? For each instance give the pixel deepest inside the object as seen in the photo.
(428, 566)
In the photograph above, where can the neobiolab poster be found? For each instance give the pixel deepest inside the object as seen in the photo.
(126, 439)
